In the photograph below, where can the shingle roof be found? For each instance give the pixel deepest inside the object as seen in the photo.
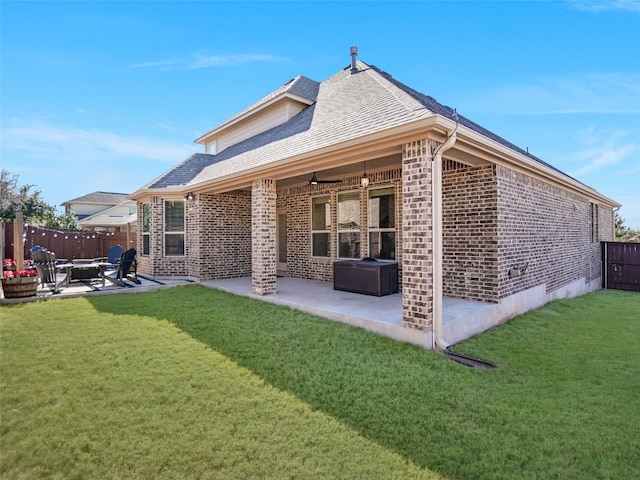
(184, 172)
(435, 107)
(105, 198)
(347, 106)
(104, 219)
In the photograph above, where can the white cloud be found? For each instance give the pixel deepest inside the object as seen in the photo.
(158, 63)
(603, 148)
(593, 93)
(40, 139)
(65, 161)
(206, 61)
(597, 6)
(603, 157)
(195, 61)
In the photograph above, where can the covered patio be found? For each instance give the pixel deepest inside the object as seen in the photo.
(382, 315)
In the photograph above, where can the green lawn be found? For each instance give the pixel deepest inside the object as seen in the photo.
(195, 383)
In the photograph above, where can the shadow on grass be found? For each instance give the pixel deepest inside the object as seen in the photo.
(459, 422)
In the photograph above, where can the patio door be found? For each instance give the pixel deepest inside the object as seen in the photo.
(281, 241)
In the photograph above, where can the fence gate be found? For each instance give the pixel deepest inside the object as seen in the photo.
(621, 265)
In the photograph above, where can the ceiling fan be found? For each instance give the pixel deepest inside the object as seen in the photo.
(314, 180)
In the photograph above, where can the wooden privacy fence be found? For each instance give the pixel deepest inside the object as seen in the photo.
(68, 244)
(621, 265)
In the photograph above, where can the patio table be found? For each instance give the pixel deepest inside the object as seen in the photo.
(101, 268)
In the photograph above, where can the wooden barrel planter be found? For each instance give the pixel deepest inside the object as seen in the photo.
(19, 287)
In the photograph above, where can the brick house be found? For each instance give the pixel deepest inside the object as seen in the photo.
(361, 165)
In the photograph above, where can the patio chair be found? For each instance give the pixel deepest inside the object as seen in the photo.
(45, 262)
(128, 264)
(35, 249)
(113, 257)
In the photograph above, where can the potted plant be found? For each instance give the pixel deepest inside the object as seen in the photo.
(19, 283)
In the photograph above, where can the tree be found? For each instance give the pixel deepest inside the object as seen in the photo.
(623, 232)
(34, 209)
(66, 221)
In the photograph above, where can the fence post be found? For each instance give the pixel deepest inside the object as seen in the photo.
(2, 257)
(18, 245)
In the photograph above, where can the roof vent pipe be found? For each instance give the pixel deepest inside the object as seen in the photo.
(354, 55)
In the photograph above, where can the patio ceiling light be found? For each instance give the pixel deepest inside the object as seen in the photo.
(190, 196)
(364, 180)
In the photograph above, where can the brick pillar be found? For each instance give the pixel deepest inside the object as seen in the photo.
(193, 242)
(417, 235)
(263, 236)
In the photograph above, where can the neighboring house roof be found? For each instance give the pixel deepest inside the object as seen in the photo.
(111, 217)
(104, 198)
(347, 107)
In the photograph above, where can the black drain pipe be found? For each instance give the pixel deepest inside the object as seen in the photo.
(469, 361)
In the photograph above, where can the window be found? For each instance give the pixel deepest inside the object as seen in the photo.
(349, 225)
(593, 221)
(320, 226)
(173, 228)
(146, 227)
(382, 223)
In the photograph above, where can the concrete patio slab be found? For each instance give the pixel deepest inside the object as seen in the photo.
(382, 315)
(84, 288)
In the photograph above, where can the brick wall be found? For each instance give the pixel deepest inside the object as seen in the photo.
(548, 229)
(470, 232)
(219, 236)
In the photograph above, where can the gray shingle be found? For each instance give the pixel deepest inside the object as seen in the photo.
(107, 198)
(184, 172)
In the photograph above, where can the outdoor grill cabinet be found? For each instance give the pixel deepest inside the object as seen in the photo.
(367, 276)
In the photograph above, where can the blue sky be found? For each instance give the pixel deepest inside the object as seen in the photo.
(108, 95)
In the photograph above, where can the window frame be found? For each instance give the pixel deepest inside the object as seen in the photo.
(166, 232)
(356, 231)
(326, 231)
(382, 230)
(593, 222)
(146, 229)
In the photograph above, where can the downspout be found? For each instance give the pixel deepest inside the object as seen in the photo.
(438, 341)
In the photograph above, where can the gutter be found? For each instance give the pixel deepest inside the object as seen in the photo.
(436, 191)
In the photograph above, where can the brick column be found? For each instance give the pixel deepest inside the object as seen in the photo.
(263, 236)
(417, 235)
(193, 242)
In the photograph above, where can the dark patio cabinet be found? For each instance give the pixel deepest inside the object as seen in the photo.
(366, 276)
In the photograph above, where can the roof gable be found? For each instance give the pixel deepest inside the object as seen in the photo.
(274, 109)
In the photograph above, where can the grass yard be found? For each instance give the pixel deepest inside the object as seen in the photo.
(195, 383)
